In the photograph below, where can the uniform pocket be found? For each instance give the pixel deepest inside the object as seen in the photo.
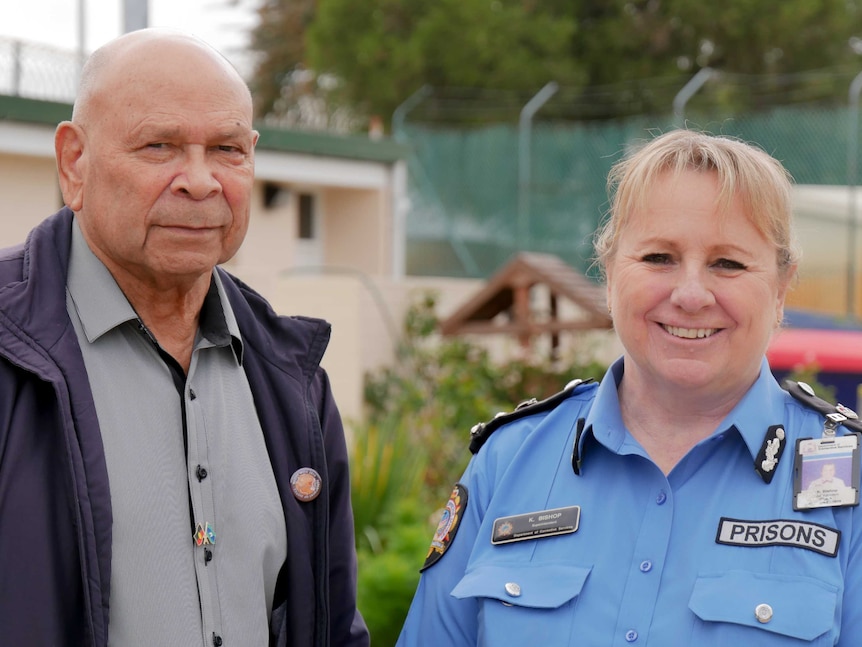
(763, 608)
(524, 604)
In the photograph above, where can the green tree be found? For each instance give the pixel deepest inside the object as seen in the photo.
(617, 56)
(280, 39)
(383, 50)
(389, 47)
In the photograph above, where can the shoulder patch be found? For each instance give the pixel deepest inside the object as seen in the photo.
(834, 412)
(480, 433)
(448, 526)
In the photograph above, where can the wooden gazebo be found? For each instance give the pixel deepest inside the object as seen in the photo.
(507, 293)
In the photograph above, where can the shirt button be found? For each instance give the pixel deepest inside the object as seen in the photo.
(763, 613)
(513, 589)
(216, 640)
(631, 636)
(661, 498)
(201, 472)
(646, 566)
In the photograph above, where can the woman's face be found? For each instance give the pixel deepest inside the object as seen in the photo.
(696, 294)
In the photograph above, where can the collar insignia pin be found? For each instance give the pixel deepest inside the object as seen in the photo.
(770, 453)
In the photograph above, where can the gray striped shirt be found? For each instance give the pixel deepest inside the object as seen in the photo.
(169, 587)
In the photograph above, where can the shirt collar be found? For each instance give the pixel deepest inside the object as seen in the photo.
(98, 300)
(218, 323)
(102, 306)
(759, 408)
(604, 421)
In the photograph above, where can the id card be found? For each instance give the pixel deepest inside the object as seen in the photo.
(827, 472)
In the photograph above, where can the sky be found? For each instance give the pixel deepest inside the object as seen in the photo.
(225, 24)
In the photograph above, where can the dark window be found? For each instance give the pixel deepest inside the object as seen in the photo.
(306, 216)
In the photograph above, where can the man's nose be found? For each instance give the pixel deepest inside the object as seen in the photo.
(195, 178)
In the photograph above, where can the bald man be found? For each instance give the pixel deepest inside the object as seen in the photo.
(173, 468)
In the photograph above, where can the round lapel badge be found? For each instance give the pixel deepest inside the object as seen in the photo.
(305, 483)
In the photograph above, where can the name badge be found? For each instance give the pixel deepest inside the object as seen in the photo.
(535, 525)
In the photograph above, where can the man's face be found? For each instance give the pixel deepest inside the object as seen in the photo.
(167, 170)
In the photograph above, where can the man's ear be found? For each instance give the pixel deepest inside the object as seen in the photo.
(69, 140)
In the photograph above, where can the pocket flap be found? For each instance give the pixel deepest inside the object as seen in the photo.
(538, 586)
(801, 607)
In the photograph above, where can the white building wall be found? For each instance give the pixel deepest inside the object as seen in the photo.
(30, 193)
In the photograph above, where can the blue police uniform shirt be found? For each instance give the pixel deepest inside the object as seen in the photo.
(644, 566)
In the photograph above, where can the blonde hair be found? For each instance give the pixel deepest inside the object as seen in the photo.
(744, 172)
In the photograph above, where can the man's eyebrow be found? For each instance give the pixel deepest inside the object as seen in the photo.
(154, 132)
(167, 131)
(237, 131)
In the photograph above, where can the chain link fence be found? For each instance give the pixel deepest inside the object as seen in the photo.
(473, 206)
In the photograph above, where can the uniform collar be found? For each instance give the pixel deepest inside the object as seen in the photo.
(761, 407)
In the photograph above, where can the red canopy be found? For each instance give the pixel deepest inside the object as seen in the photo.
(838, 351)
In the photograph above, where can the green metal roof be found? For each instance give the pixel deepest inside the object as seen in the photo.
(34, 111)
(347, 146)
(37, 111)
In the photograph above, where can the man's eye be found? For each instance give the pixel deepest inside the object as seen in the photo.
(157, 145)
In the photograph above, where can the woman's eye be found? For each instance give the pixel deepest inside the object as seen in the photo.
(657, 259)
(727, 264)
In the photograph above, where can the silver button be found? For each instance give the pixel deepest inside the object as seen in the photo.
(763, 613)
(513, 589)
(805, 387)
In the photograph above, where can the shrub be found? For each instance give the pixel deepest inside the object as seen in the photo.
(440, 387)
(413, 446)
(388, 576)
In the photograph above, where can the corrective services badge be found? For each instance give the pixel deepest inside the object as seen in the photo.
(448, 526)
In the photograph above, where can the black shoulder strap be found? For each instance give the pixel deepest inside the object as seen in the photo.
(837, 414)
(482, 431)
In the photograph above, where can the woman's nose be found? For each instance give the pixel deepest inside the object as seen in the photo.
(692, 293)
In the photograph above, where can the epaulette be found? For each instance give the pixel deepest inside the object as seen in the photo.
(483, 430)
(835, 414)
